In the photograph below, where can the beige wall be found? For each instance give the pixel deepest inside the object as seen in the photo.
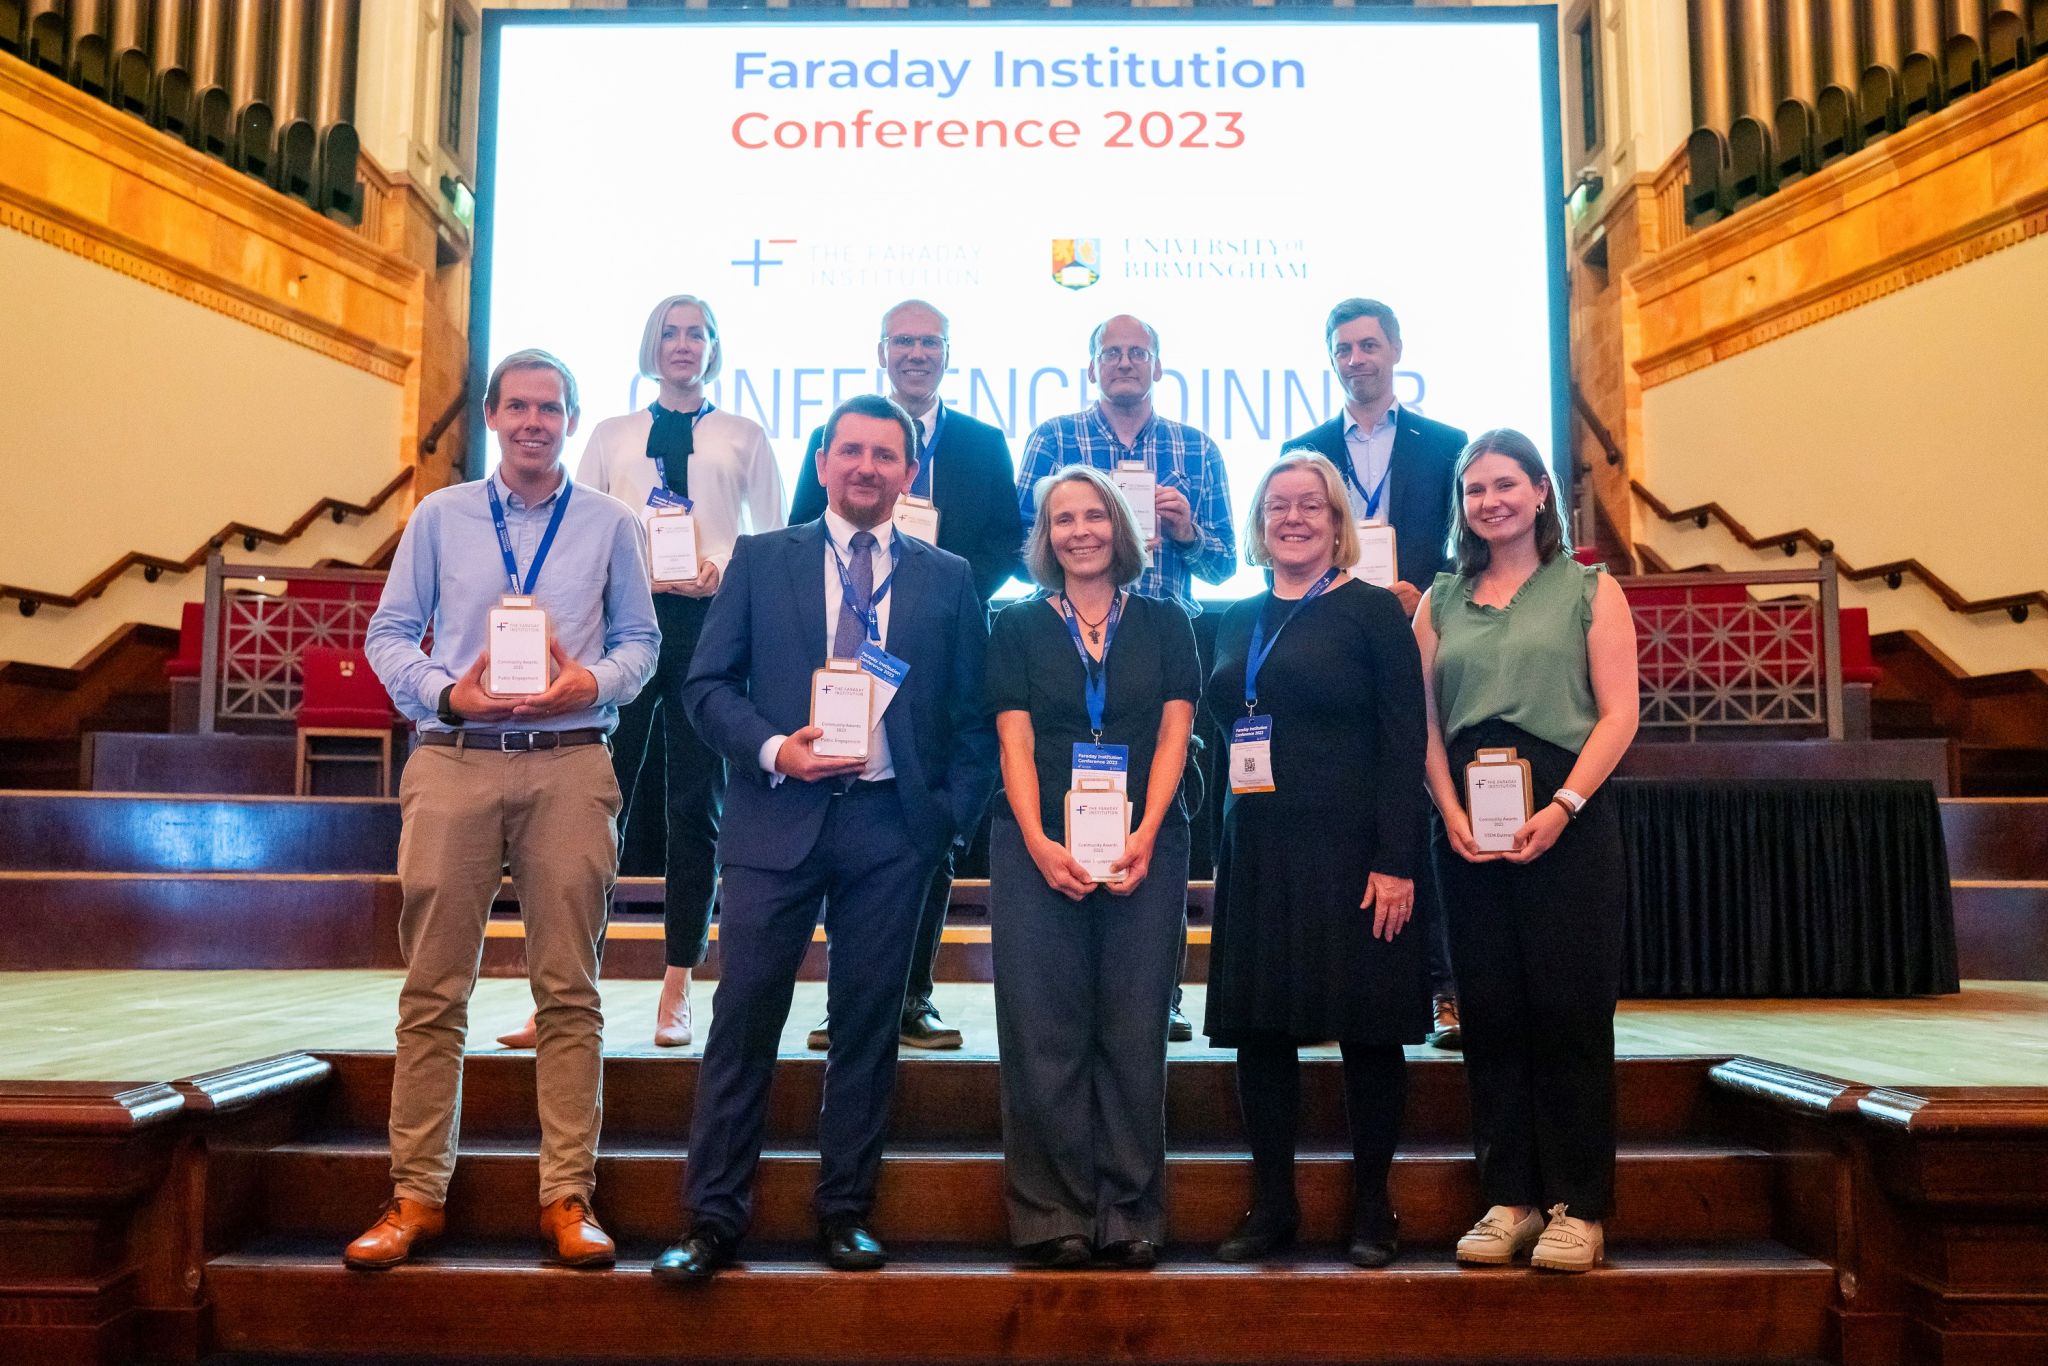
(140, 421)
(1906, 428)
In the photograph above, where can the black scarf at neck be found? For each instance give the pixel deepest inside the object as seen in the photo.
(671, 440)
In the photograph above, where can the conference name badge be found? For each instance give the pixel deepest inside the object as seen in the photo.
(919, 517)
(843, 709)
(1497, 797)
(1251, 754)
(888, 672)
(1135, 480)
(520, 657)
(671, 538)
(1377, 563)
(1097, 762)
(1098, 827)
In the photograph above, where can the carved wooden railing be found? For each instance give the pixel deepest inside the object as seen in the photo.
(155, 567)
(1893, 572)
(249, 667)
(1717, 659)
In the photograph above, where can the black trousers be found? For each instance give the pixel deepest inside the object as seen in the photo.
(931, 927)
(1375, 1096)
(695, 777)
(1538, 948)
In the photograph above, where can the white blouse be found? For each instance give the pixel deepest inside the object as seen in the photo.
(734, 484)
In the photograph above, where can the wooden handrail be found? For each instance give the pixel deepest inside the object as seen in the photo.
(431, 442)
(336, 507)
(2015, 605)
(1594, 425)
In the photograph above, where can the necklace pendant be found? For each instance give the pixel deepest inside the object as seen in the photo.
(1095, 634)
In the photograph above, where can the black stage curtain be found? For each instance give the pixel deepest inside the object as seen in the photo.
(1785, 888)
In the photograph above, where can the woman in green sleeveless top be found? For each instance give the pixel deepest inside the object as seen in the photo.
(1525, 649)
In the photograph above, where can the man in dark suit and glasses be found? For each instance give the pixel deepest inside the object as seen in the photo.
(857, 838)
(1398, 468)
(964, 470)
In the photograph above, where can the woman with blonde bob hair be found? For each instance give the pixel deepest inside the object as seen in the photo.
(721, 464)
(1318, 685)
(1093, 687)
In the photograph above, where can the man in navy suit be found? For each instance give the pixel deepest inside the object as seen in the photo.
(964, 471)
(1397, 464)
(856, 837)
(1398, 467)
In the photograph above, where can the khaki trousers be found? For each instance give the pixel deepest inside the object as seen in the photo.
(552, 817)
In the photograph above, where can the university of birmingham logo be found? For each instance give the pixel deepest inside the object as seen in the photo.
(1076, 261)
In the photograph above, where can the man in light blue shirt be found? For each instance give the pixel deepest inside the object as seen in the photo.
(522, 783)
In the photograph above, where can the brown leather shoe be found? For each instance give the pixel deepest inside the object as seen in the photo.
(1446, 1032)
(571, 1233)
(405, 1226)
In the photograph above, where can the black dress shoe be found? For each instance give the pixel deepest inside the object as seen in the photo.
(1071, 1250)
(702, 1254)
(922, 1028)
(1178, 1030)
(1259, 1237)
(1132, 1254)
(847, 1246)
(1376, 1244)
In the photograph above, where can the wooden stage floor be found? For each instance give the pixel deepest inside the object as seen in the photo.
(120, 1026)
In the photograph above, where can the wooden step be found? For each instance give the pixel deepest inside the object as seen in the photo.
(2002, 930)
(1683, 1191)
(107, 832)
(1752, 1301)
(955, 1100)
(1996, 838)
(91, 921)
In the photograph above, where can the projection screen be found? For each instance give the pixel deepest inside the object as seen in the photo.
(1227, 179)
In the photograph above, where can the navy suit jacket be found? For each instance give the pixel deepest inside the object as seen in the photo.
(750, 678)
(975, 488)
(1419, 504)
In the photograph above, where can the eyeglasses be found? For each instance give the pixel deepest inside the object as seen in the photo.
(1276, 509)
(903, 341)
(1112, 355)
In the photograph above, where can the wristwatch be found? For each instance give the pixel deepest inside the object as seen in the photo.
(1571, 801)
(445, 708)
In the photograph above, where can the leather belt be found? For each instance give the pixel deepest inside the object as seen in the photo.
(512, 741)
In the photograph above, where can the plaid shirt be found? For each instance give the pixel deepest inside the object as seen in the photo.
(1180, 457)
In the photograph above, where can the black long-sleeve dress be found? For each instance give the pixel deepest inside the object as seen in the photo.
(1292, 953)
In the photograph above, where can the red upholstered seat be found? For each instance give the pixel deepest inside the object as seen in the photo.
(1859, 665)
(191, 643)
(341, 693)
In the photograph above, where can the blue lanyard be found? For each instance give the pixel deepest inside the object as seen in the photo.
(1255, 659)
(547, 538)
(867, 611)
(922, 485)
(661, 465)
(1094, 672)
(1372, 500)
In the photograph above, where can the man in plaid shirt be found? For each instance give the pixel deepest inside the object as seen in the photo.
(1191, 502)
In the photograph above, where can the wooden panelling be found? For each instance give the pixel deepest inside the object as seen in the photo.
(1954, 186)
(150, 833)
(1996, 838)
(1743, 1302)
(191, 920)
(954, 1100)
(135, 761)
(2002, 930)
(79, 174)
(1824, 759)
